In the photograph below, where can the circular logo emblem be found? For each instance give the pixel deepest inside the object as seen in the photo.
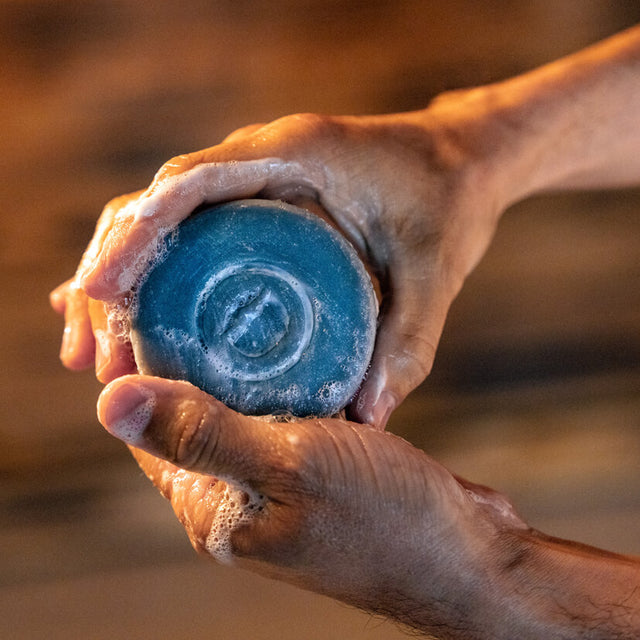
(254, 321)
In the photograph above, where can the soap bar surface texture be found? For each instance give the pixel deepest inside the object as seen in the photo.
(261, 304)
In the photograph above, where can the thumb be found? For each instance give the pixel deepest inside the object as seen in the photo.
(183, 425)
(410, 327)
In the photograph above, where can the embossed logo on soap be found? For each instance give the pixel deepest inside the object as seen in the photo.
(254, 321)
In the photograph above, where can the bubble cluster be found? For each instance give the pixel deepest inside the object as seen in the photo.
(331, 391)
(236, 506)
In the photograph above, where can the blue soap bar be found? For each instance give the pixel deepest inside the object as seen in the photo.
(261, 304)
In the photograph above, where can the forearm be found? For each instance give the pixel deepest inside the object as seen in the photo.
(514, 582)
(574, 123)
(559, 589)
(529, 586)
(494, 578)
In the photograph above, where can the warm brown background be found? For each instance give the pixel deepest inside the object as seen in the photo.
(535, 389)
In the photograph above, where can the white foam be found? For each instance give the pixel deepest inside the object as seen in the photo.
(129, 214)
(118, 322)
(237, 506)
(331, 392)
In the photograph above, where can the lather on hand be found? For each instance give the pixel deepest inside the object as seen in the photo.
(360, 515)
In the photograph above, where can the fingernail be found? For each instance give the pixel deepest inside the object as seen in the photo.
(126, 410)
(103, 354)
(382, 409)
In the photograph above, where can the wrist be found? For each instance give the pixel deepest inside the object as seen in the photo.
(475, 136)
(491, 126)
(548, 588)
(452, 586)
(503, 580)
(570, 124)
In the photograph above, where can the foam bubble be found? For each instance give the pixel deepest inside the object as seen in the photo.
(236, 506)
(330, 391)
(118, 321)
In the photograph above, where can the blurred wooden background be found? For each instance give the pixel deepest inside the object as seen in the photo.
(535, 388)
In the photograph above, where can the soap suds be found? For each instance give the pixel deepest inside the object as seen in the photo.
(237, 506)
(229, 504)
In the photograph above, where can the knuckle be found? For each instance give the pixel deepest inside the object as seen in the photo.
(313, 124)
(422, 366)
(177, 164)
(417, 355)
(241, 132)
(293, 466)
(115, 204)
(183, 161)
(194, 441)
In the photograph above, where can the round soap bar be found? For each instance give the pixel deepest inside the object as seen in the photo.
(261, 304)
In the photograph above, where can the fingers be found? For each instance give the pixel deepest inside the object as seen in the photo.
(78, 347)
(113, 352)
(276, 160)
(103, 227)
(58, 297)
(137, 229)
(410, 327)
(78, 343)
(242, 132)
(179, 423)
(89, 335)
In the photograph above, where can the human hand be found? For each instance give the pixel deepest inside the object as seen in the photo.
(404, 189)
(358, 514)
(93, 332)
(418, 193)
(334, 507)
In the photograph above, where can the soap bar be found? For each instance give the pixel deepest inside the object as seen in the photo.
(261, 304)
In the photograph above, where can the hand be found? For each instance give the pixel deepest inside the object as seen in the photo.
(418, 193)
(337, 507)
(358, 514)
(93, 329)
(405, 189)
(334, 507)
